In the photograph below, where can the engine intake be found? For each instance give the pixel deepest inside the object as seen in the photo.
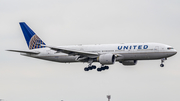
(129, 62)
(106, 59)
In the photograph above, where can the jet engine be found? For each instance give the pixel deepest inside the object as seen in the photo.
(129, 62)
(106, 59)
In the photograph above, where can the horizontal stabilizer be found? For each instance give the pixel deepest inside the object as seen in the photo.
(25, 51)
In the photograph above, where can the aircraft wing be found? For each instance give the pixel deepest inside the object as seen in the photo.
(74, 52)
(25, 51)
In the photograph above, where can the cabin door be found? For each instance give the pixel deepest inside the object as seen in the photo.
(156, 48)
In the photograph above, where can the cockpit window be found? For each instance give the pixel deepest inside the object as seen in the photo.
(169, 48)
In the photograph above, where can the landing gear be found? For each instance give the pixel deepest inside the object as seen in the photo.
(102, 68)
(89, 68)
(162, 60)
(162, 65)
(94, 67)
(86, 69)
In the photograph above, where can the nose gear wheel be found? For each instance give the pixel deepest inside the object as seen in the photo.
(162, 60)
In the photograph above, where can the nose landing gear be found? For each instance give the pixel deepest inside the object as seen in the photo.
(162, 60)
(162, 65)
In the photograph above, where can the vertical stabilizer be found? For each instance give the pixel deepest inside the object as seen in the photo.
(32, 40)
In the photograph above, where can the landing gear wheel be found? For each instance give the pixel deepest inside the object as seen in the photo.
(103, 68)
(86, 69)
(90, 68)
(93, 67)
(106, 67)
(162, 65)
(99, 69)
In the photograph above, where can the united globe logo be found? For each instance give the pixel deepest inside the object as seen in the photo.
(36, 42)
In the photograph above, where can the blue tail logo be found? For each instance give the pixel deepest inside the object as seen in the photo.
(32, 40)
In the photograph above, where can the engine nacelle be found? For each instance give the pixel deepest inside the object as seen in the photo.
(129, 62)
(106, 59)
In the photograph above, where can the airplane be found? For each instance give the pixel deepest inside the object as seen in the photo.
(106, 54)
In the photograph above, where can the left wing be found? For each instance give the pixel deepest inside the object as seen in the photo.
(74, 52)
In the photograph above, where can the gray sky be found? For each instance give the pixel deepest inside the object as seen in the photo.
(69, 22)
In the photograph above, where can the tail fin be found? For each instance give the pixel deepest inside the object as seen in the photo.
(32, 40)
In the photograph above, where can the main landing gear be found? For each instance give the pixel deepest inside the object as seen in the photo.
(94, 67)
(102, 68)
(162, 60)
(89, 68)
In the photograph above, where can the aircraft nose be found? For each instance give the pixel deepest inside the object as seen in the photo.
(174, 52)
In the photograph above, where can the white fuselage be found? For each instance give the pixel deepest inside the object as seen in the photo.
(105, 54)
(126, 51)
